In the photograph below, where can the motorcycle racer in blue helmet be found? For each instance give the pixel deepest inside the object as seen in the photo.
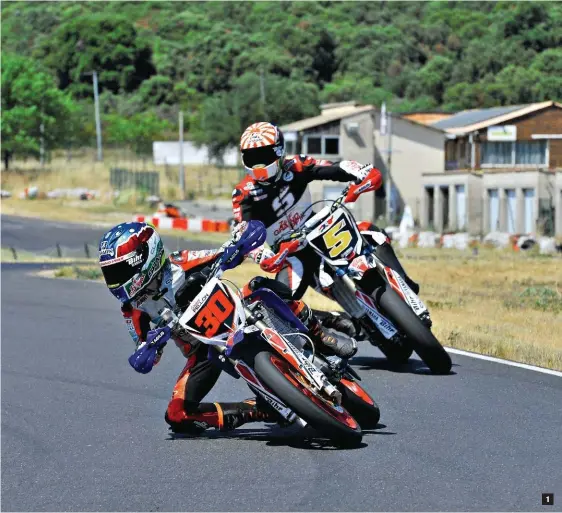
(138, 273)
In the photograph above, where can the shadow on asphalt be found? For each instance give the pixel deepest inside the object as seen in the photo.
(381, 363)
(306, 438)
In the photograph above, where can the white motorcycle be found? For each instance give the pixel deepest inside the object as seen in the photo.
(394, 317)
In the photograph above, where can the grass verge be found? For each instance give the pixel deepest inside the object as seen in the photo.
(497, 303)
(7, 256)
(94, 211)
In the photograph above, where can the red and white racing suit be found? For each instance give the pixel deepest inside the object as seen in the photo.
(283, 206)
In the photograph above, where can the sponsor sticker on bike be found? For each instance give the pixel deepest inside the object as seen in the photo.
(383, 324)
(413, 300)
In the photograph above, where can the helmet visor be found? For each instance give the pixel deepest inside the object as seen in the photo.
(261, 157)
(124, 268)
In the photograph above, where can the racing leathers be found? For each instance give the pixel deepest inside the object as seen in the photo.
(180, 280)
(283, 206)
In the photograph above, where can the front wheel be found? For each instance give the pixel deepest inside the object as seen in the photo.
(359, 403)
(326, 417)
(423, 341)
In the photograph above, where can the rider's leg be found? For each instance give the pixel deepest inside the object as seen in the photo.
(386, 253)
(298, 275)
(343, 347)
(186, 413)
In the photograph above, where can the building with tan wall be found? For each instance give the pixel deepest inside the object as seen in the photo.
(348, 131)
(516, 150)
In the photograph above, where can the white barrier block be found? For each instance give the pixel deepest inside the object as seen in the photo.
(497, 239)
(449, 241)
(403, 238)
(427, 239)
(165, 223)
(195, 225)
(461, 241)
(547, 245)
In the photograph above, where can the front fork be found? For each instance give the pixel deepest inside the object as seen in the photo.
(362, 307)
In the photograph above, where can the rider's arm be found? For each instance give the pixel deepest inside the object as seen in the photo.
(138, 323)
(343, 171)
(189, 260)
(241, 203)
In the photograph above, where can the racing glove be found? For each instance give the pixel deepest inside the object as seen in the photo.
(355, 169)
(149, 353)
(258, 254)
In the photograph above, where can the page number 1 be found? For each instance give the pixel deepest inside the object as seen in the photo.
(547, 499)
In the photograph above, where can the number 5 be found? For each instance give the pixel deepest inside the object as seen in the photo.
(336, 240)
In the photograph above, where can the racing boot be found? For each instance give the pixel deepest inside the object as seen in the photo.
(340, 321)
(344, 347)
(233, 415)
(222, 416)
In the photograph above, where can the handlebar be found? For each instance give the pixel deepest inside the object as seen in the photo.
(274, 264)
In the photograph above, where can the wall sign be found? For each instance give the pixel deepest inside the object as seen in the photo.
(502, 133)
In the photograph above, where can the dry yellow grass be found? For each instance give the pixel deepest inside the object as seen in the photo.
(84, 171)
(498, 303)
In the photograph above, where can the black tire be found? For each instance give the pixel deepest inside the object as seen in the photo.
(314, 415)
(398, 355)
(366, 413)
(423, 341)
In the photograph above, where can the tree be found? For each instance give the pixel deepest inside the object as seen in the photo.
(105, 42)
(30, 98)
(161, 56)
(223, 117)
(138, 131)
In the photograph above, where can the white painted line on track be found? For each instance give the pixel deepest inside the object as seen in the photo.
(504, 362)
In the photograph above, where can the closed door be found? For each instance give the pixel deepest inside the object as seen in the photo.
(494, 202)
(511, 214)
(529, 210)
(461, 207)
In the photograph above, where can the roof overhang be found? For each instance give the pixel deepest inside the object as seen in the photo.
(464, 130)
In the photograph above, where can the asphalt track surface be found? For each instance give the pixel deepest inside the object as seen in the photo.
(81, 431)
(35, 235)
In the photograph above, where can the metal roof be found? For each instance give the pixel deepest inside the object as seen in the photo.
(328, 115)
(469, 117)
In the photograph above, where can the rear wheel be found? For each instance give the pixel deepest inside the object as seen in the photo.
(423, 341)
(359, 403)
(328, 418)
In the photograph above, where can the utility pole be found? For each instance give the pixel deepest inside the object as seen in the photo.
(182, 176)
(98, 122)
(389, 212)
(386, 129)
(262, 92)
(42, 144)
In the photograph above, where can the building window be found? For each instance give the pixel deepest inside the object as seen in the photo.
(291, 147)
(520, 153)
(530, 152)
(496, 153)
(314, 145)
(321, 144)
(331, 146)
